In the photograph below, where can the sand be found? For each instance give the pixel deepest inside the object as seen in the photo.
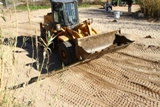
(127, 77)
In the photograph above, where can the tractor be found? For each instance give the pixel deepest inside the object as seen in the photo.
(75, 40)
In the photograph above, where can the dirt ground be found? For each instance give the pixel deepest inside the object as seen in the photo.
(127, 77)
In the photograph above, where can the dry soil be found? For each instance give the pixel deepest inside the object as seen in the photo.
(129, 77)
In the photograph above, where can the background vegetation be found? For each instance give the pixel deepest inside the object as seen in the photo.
(150, 8)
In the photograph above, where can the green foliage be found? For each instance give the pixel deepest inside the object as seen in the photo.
(84, 5)
(150, 8)
(87, 4)
(49, 41)
(32, 7)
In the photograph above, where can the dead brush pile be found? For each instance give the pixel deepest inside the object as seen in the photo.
(150, 8)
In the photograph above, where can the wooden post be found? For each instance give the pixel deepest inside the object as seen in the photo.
(4, 3)
(118, 2)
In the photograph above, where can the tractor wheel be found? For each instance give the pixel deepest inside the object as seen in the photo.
(67, 52)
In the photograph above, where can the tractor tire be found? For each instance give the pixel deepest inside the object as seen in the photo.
(67, 52)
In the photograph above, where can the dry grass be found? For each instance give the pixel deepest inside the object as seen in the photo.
(150, 8)
(8, 62)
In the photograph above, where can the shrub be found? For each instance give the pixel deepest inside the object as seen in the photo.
(150, 8)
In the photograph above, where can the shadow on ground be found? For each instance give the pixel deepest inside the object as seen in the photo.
(27, 43)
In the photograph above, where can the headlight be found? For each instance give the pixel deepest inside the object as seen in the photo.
(58, 27)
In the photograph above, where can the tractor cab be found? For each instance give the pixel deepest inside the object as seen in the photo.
(65, 13)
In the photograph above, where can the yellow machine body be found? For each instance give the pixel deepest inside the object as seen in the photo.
(78, 41)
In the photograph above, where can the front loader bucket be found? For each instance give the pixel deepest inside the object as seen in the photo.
(97, 45)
